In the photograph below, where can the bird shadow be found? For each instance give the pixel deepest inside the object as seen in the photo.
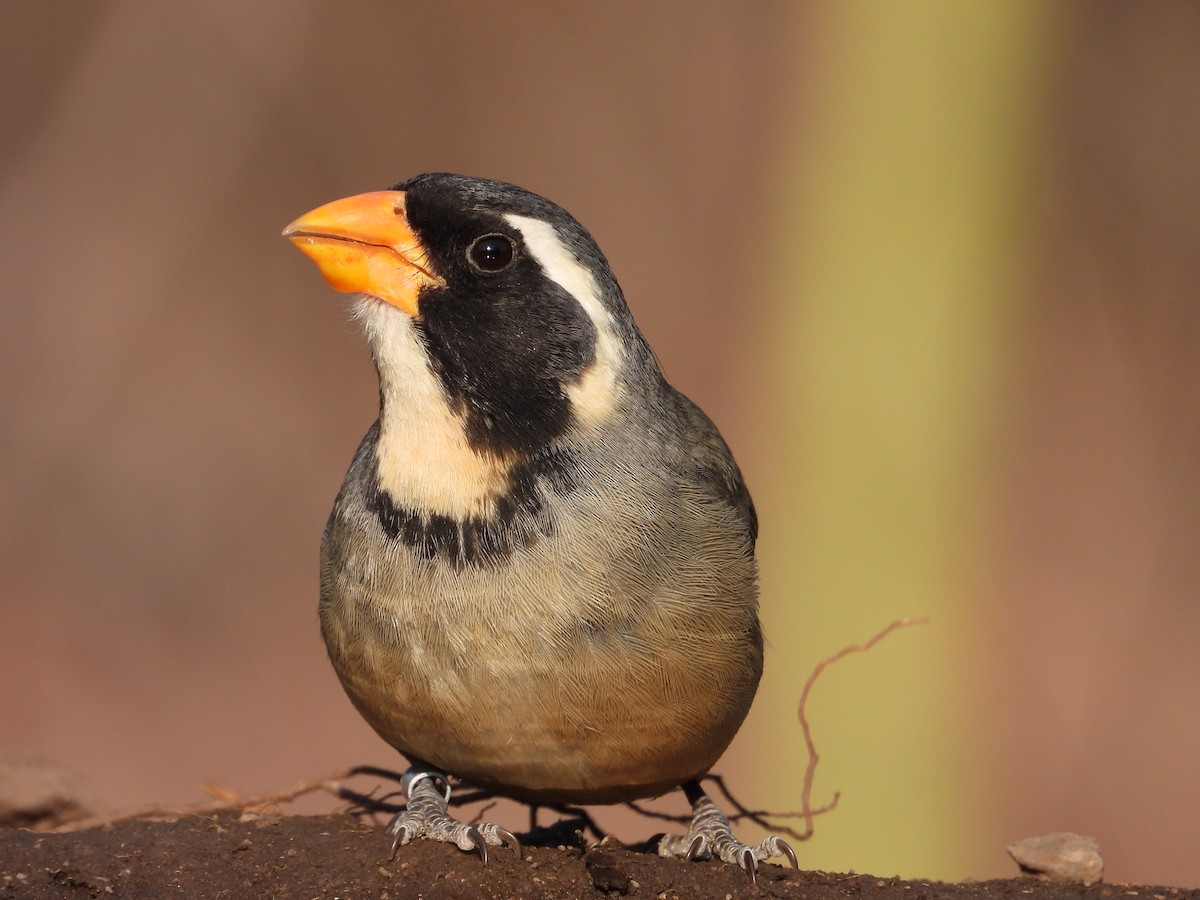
(574, 828)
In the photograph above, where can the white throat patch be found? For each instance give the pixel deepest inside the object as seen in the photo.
(425, 461)
(593, 397)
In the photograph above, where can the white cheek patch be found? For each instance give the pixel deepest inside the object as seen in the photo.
(594, 397)
(425, 461)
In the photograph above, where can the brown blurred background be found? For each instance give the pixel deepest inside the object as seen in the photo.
(933, 268)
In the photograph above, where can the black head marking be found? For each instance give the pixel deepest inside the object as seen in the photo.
(504, 339)
(518, 517)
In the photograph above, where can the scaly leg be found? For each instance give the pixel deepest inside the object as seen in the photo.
(426, 816)
(710, 835)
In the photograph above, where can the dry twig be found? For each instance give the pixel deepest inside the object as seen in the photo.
(763, 817)
(806, 809)
(226, 800)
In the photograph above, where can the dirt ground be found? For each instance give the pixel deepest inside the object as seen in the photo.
(338, 856)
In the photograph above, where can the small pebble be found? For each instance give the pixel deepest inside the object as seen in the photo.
(1061, 856)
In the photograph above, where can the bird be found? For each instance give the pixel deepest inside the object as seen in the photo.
(539, 574)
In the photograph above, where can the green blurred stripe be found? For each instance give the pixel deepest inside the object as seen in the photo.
(899, 240)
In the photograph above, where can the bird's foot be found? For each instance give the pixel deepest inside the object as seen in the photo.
(710, 835)
(426, 816)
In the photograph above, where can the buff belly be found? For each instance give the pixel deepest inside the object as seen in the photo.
(561, 711)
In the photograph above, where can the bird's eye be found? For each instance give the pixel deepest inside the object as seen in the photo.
(491, 253)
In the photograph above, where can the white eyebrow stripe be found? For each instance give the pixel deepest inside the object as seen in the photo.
(593, 397)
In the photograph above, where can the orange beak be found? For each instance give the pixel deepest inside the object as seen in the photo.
(364, 244)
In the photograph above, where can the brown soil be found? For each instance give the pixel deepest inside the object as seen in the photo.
(337, 856)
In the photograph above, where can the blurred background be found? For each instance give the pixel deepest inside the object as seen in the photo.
(933, 268)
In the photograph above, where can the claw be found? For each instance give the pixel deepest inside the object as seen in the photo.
(401, 834)
(694, 847)
(510, 840)
(788, 852)
(750, 864)
(480, 844)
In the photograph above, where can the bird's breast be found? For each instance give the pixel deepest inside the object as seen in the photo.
(613, 654)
